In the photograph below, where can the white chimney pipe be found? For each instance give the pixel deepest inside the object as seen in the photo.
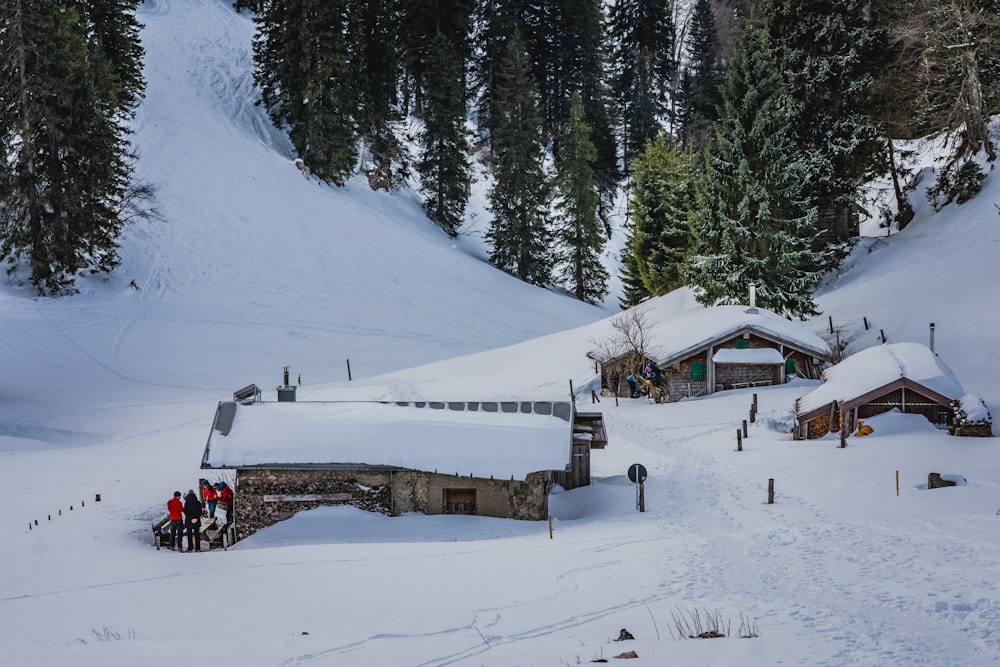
(753, 299)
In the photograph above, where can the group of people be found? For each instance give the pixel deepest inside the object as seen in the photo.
(186, 514)
(650, 376)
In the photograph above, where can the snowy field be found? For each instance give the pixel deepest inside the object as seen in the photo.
(112, 392)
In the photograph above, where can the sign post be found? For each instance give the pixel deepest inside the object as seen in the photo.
(637, 475)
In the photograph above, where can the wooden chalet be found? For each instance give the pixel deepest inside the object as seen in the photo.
(497, 459)
(705, 350)
(907, 377)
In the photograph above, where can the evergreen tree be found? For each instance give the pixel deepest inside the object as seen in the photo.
(255, 6)
(633, 289)
(660, 200)
(700, 94)
(494, 24)
(302, 56)
(420, 22)
(519, 234)
(577, 230)
(827, 51)
(444, 172)
(644, 67)
(372, 56)
(71, 77)
(754, 224)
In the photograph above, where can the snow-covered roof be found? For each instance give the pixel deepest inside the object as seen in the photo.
(759, 356)
(879, 366)
(448, 437)
(683, 334)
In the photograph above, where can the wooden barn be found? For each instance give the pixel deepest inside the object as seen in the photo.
(907, 377)
(705, 350)
(497, 459)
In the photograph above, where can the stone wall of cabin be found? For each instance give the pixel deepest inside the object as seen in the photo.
(370, 491)
(386, 492)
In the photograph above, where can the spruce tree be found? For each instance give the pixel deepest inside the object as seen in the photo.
(302, 58)
(71, 77)
(660, 199)
(633, 289)
(420, 21)
(519, 233)
(374, 68)
(494, 25)
(700, 93)
(754, 224)
(827, 52)
(644, 67)
(444, 171)
(577, 229)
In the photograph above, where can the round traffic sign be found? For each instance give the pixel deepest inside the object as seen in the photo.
(637, 473)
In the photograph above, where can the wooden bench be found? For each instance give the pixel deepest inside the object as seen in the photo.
(210, 530)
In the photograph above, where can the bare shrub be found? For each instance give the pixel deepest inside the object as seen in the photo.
(690, 624)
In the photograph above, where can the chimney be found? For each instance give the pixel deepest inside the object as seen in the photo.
(932, 336)
(753, 299)
(286, 392)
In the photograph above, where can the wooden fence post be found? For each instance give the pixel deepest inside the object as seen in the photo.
(739, 440)
(770, 491)
(348, 370)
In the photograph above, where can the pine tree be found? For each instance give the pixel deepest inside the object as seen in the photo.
(827, 51)
(518, 234)
(302, 56)
(71, 77)
(444, 171)
(372, 55)
(644, 67)
(700, 94)
(577, 230)
(754, 224)
(660, 199)
(633, 289)
(419, 23)
(494, 25)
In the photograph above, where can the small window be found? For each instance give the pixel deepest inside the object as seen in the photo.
(742, 343)
(697, 370)
(790, 366)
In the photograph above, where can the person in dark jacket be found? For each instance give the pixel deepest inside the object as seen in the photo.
(192, 520)
(175, 510)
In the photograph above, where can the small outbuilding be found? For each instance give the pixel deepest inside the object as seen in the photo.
(908, 377)
(705, 350)
(497, 459)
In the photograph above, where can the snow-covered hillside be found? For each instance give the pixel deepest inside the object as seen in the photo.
(254, 266)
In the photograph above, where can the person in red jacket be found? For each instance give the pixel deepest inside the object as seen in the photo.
(225, 495)
(175, 510)
(209, 497)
